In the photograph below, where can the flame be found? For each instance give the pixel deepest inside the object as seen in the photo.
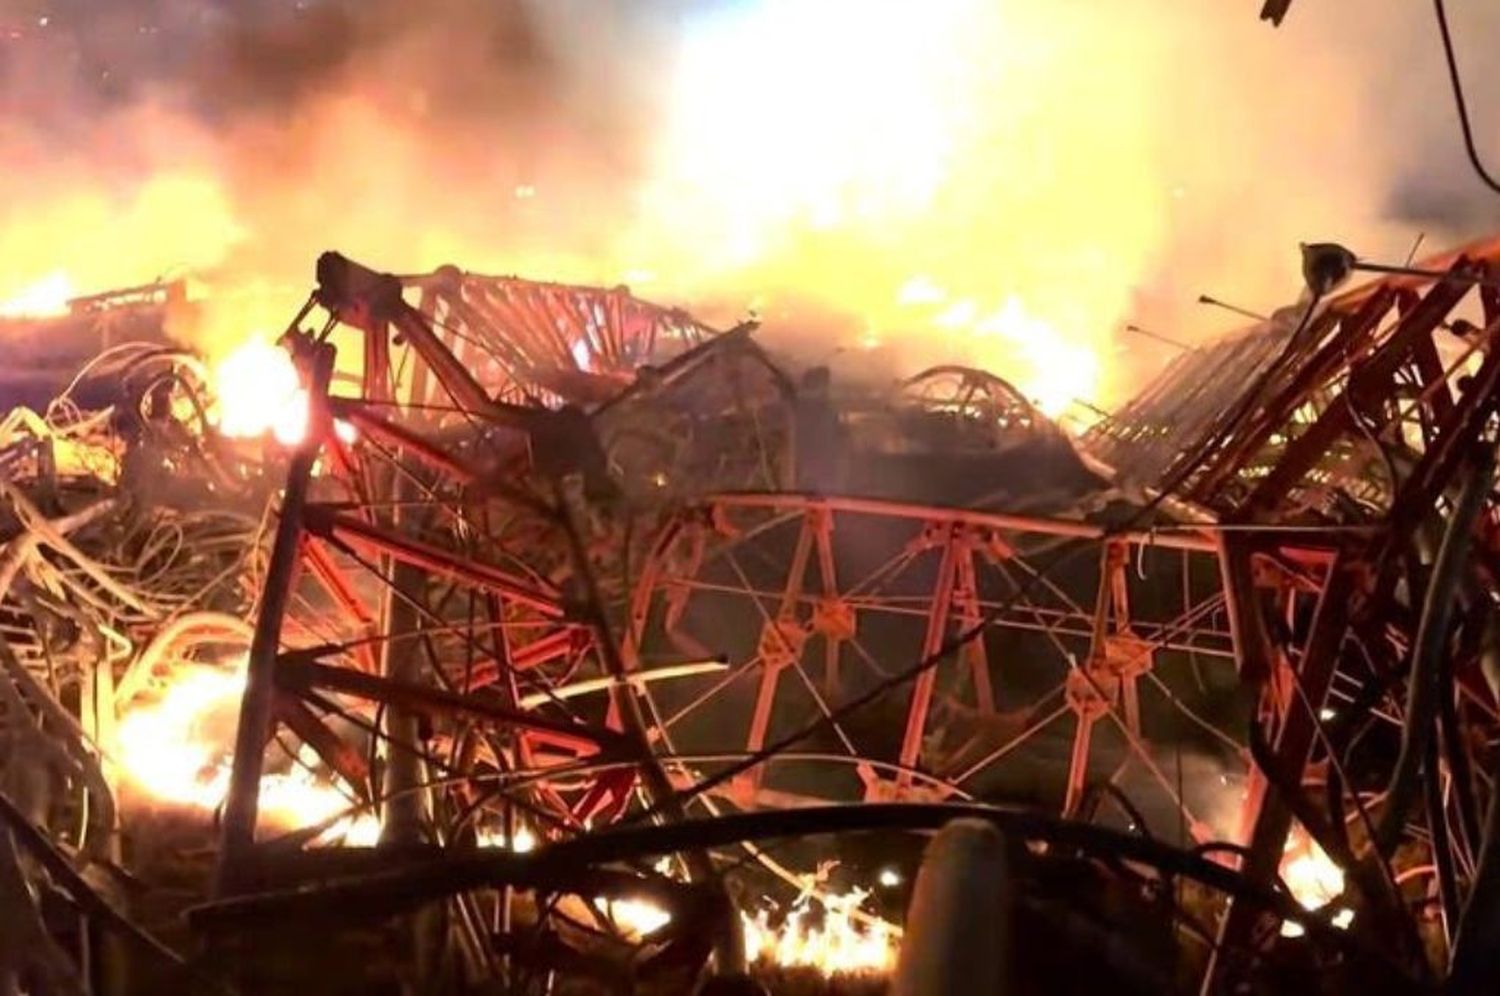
(1313, 879)
(525, 840)
(259, 391)
(174, 749)
(1034, 149)
(835, 944)
(635, 916)
(1051, 369)
(46, 298)
(935, 136)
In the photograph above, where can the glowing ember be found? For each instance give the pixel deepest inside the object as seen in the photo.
(1313, 878)
(837, 943)
(45, 298)
(525, 840)
(635, 916)
(174, 749)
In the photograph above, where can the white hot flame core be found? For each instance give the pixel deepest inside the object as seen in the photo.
(259, 391)
(46, 298)
(636, 916)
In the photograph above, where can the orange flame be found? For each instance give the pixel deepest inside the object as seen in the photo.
(174, 749)
(46, 298)
(1313, 879)
(835, 944)
(1053, 370)
(259, 392)
(838, 944)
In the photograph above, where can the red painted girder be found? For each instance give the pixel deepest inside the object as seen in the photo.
(348, 529)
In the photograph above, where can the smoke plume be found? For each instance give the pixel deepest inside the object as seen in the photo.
(1004, 182)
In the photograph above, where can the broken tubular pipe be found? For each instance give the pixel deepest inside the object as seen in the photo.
(957, 940)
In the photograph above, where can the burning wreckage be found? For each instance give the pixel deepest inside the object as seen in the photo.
(562, 636)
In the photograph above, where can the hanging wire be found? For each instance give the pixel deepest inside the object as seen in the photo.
(1458, 99)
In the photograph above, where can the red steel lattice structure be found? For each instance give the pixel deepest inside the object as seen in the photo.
(1366, 423)
(447, 569)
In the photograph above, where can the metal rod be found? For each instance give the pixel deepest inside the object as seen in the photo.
(1417, 271)
(1215, 302)
(1166, 340)
(241, 805)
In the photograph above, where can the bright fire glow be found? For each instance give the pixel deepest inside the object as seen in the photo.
(757, 155)
(1049, 368)
(1313, 878)
(259, 392)
(175, 750)
(46, 298)
(836, 943)
(938, 140)
(635, 916)
(1001, 148)
(525, 840)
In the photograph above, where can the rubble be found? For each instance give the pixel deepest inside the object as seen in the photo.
(581, 570)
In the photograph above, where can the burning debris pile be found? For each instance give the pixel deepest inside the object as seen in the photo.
(140, 510)
(131, 545)
(517, 634)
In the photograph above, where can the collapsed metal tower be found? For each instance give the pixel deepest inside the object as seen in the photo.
(579, 563)
(1351, 490)
(717, 585)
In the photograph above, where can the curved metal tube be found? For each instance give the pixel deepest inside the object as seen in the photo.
(1422, 683)
(218, 627)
